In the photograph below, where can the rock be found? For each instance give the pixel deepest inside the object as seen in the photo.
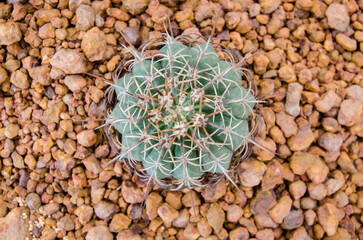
(245, 25)
(187, 199)
(239, 233)
(94, 45)
(87, 138)
(191, 231)
(331, 124)
(19, 12)
(53, 112)
(45, 15)
(128, 234)
(213, 192)
(85, 17)
(317, 191)
(69, 61)
(355, 91)
(232, 19)
(204, 228)
(268, 6)
(33, 201)
(84, 213)
(153, 202)
(350, 112)
(293, 220)
(287, 73)
(118, 13)
(357, 58)
(250, 172)
(20, 79)
(234, 213)
(46, 31)
(287, 124)
(120, 222)
(11, 130)
(135, 7)
(15, 224)
(328, 216)
(99, 233)
(338, 16)
(105, 210)
(75, 83)
(215, 217)
(260, 63)
(202, 12)
(66, 223)
(312, 165)
(9, 33)
(264, 149)
(132, 34)
(182, 220)
(264, 220)
(263, 202)
(41, 75)
(293, 96)
(346, 163)
(273, 175)
(331, 142)
(167, 214)
(346, 42)
(265, 234)
(255, 10)
(281, 209)
(3, 75)
(130, 193)
(335, 183)
(297, 189)
(327, 101)
(302, 140)
(174, 199)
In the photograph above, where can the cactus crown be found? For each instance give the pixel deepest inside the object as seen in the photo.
(182, 113)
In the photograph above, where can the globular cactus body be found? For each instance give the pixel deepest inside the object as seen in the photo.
(182, 113)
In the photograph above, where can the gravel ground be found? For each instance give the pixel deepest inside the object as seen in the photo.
(54, 58)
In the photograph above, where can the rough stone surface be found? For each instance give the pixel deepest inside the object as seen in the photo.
(94, 45)
(14, 224)
(69, 61)
(9, 33)
(338, 17)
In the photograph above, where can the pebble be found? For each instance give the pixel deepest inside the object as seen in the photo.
(75, 83)
(330, 141)
(272, 176)
(69, 61)
(135, 6)
(293, 96)
(234, 213)
(286, 123)
(191, 231)
(11, 130)
(130, 193)
(350, 112)
(132, 34)
(239, 233)
(204, 228)
(66, 223)
(215, 217)
(263, 202)
(182, 220)
(105, 210)
(94, 45)
(327, 101)
(202, 12)
(293, 220)
(346, 42)
(338, 17)
(250, 172)
(99, 233)
(346, 163)
(153, 202)
(167, 214)
(281, 209)
(232, 19)
(268, 6)
(3, 75)
(14, 224)
(213, 192)
(303, 138)
(297, 189)
(127, 234)
(9, 33)
(20, 79)
(317, 191)
(33, 201)
(119, 222)
(85, 17)
(328, 216)
(260, 63)
(53, 112)
(355, 91)
(84, 213)
(19, 12)
(41, 75)
(331, 124)
(87, 138)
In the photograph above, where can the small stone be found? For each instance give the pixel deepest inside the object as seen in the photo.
(263, 202)
(328, 216)
(41, 75)
(182, 220)
(293, 96)
(15, 224)
(317, 191)
(260, 63)
(215, 217)
(153, 202)
(331, 142)
(127, 234)
(11, 130)
(250, 172)
(87, 138)
(94, 44)
(268, 6)
(338, 16)
(297, 189)
(331, 124)
(355, 91)
(327, 101)
(66, 223)
(245, 25)
(33, 201)
(9, 33)
(19, 12)
(85, 17)
(119, 222)
(99, 233)
(255, 10)
(202, 12)
(213, 192)
(118, 13)
(20, 79)
(234, 213)
(204, 228)
(281, 209)
(3, 75)
(84, 213)
(130, 193)
(105, 210)
(273, 175)
(46, 31)
(75, 83)
(92, 164)
(53, 112)
(45, 15)
(346, 42)
(239, 233)
(167, 214)
(287, 124)
(232, 19)
(265, 234)
(346, 163)
(293, 220)
(264, 220)
(350, 112)
(135, 7)
(302, 140)
(191, 231)
(69, 61)
(132, 34)
(357, 58)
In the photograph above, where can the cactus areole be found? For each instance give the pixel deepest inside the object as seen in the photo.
(182, 113)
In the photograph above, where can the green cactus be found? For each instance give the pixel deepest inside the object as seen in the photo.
(182, 113)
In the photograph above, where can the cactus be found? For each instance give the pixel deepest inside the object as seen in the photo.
(182, 113)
